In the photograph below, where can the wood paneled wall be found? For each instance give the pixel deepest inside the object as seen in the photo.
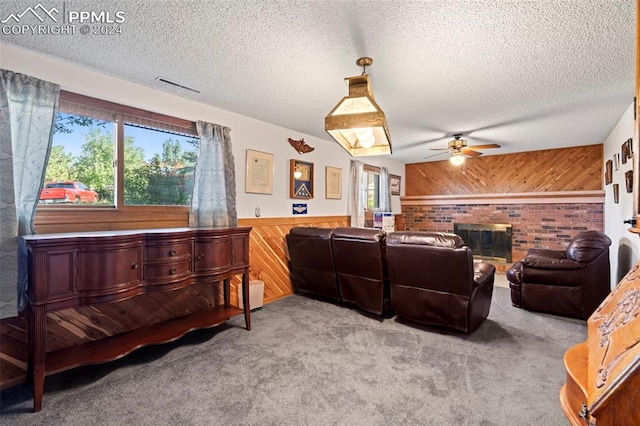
(566, 169)
(268, 252)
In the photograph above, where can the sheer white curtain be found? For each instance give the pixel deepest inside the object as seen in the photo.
(357, 193)
(213, 202)
(385, 192)
(28, 109)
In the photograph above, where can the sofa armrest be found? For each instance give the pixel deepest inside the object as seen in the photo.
(546, 253)
(551, 264)
(483, 273)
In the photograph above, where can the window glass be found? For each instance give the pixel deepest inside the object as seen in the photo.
(373, 190)
(158, 166)
(80, 169)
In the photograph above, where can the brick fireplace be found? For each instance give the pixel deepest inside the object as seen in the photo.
(540, 220)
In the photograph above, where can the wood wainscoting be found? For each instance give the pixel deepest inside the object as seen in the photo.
(268, 253)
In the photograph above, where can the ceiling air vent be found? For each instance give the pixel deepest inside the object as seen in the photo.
(173, 83)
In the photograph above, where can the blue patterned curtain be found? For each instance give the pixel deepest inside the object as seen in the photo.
(213, 202)
(28, 109)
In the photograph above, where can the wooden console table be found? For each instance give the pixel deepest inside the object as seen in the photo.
(75, 270)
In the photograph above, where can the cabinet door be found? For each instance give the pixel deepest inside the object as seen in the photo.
(109, 268)
(213, 255)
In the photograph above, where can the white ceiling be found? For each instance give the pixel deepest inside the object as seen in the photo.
(526, 74)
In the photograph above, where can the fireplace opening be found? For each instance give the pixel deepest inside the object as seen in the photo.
(491, 241)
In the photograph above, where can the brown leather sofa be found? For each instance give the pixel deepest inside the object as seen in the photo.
(435, 281)
(311, 262)
(361, 265)
(571, 282)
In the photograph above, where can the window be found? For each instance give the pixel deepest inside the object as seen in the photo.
(81, 161)
(112, 155)
(373, 187)
(158, 167)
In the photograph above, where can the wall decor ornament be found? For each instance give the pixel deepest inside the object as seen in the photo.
(608, 172)
(259, 172)
(300, 145)
(301, 179)
(626, 151)
(299, 208)
(333, 183)
(628, 181)
(394, 184)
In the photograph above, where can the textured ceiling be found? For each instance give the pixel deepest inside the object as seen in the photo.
(526, 74)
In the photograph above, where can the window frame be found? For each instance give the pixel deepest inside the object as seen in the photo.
(74, 103)
(375, 170)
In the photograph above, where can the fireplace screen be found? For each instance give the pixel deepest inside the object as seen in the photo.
(490, 241)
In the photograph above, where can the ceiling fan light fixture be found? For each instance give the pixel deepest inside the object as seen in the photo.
(457, 159)
(357, 123)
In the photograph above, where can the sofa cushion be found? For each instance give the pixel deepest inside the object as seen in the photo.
(586, 246)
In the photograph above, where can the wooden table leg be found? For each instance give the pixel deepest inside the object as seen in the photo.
(37, 352)
(226, 291)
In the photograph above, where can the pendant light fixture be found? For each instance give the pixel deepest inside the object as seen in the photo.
(357, 123)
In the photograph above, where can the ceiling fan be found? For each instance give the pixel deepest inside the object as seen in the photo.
(459, 149)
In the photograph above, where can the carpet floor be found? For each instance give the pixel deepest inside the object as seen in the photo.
(309, 362)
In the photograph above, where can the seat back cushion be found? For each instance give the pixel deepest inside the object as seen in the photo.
(586, 246)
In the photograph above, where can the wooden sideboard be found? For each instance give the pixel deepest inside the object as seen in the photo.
(75, 270)
(603, 373)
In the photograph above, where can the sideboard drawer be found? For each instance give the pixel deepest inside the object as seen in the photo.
(167, 250)
(167, 271)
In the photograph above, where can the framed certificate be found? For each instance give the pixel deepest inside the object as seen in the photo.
(259, 178)
(333, 183)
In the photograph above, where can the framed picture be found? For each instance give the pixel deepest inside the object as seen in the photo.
(301, 179)
(333, 183)
(608, 172)
(616, 161)
(259, 178)
(394, 184)
(624, 153)
(616, 193)
(628, 181)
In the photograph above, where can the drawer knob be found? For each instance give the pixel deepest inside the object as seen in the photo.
(172, 252)
(200, 256)
(172, 271)
(134, 265)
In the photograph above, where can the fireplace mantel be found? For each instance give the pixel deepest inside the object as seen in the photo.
(558, 197)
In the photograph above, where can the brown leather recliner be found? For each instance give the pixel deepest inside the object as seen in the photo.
(361, 264)
(571, 282)
(435, 281)
(311, 261)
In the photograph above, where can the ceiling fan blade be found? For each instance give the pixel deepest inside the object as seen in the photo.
(470, 152)
(439, 149)
(487, 146)
(434, 155)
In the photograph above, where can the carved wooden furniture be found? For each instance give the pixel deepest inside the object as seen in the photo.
(99, 270)
(603, 373)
